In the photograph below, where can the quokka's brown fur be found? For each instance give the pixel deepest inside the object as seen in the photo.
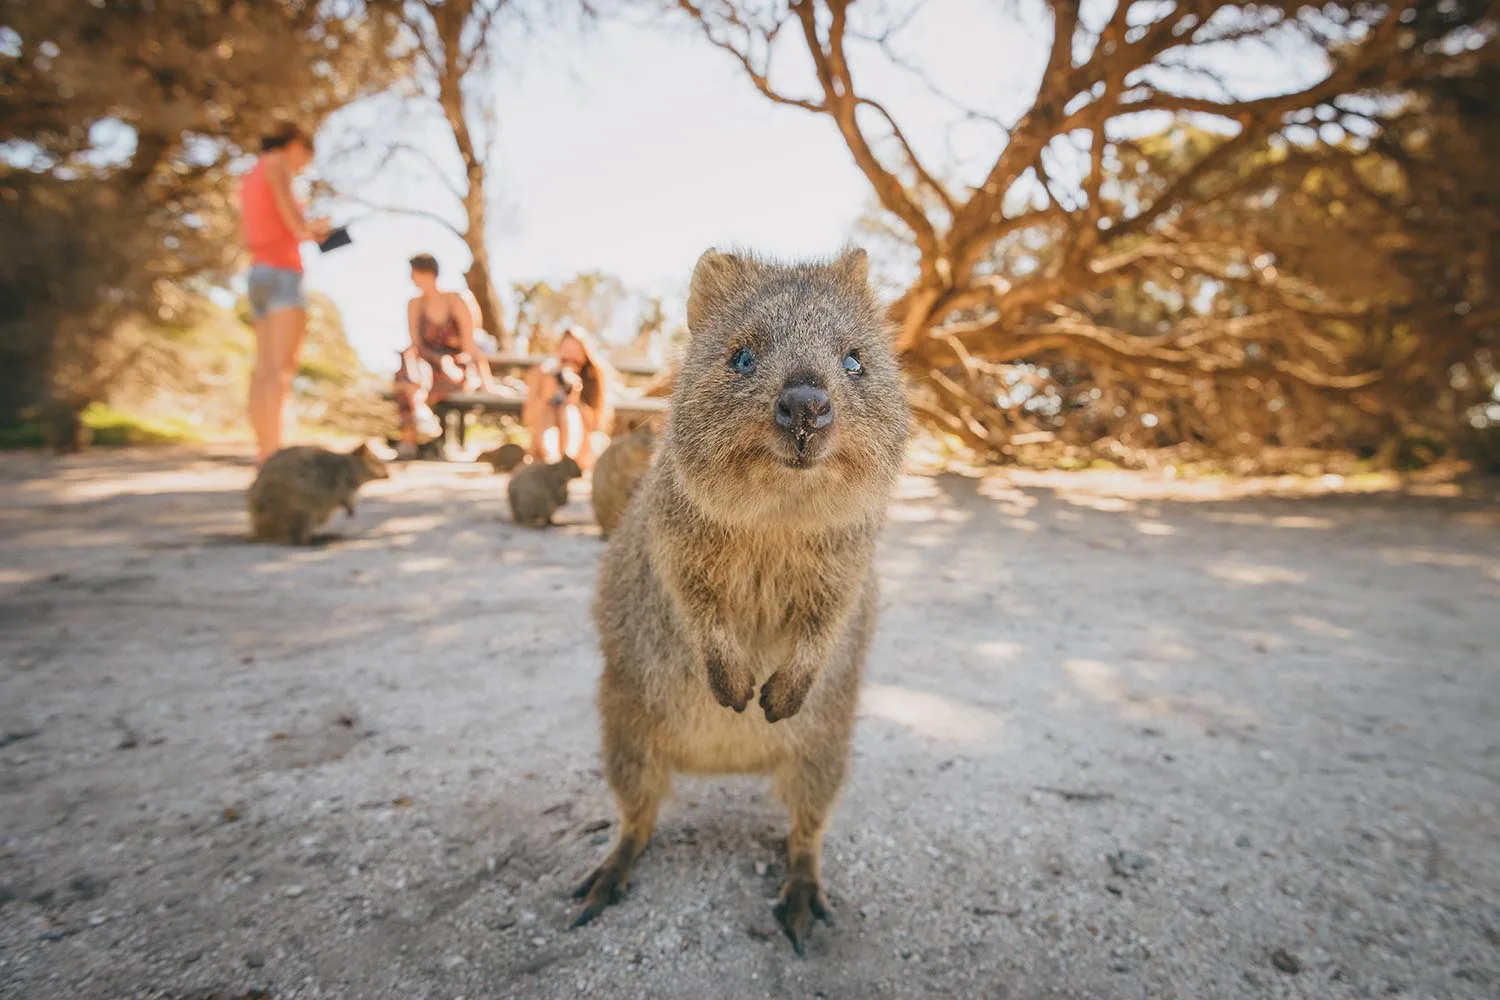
(747, 559)
(618, 472)
(537, 492)
(298, 489)
(504, 458)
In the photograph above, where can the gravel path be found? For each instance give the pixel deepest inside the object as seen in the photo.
(1111, 746)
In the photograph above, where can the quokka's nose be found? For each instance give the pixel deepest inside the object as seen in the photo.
(804, 409)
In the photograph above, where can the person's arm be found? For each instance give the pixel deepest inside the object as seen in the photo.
(413, 315)
(465, 316)
(280, 180)
(474, 310)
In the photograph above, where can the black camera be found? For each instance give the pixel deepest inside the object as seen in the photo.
(568, 382)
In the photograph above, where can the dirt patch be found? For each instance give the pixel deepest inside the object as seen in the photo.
(1114, 743)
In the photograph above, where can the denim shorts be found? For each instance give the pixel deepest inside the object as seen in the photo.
(273, 288)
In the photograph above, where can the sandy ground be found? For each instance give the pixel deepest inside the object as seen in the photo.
(1135, 746)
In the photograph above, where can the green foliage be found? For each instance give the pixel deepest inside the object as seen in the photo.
(108, 427)
(121, 126)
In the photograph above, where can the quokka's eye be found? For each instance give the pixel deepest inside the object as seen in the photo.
(852, 365)
(742, 361)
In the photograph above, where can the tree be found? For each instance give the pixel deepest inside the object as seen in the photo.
(455, 44)
(1097, 245)
(120, 127)
(590, 300)
(439, 126)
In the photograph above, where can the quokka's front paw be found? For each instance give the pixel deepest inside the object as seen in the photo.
(732, 686)
(784, 691)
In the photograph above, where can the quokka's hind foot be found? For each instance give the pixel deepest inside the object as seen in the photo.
(606, 884)
(298, 530)
(800, 902)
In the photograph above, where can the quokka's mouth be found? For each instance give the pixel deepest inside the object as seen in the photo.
(802, 450)
(810, 457)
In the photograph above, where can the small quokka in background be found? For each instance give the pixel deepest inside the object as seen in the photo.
(746, 562)
(537, 492)
(298, 489)
(618, 472)
(504, 458)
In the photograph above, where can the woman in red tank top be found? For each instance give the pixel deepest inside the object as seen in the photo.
(274, 228)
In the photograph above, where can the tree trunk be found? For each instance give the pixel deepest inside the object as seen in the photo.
(450, 22)
(483, 289)
(481, 284)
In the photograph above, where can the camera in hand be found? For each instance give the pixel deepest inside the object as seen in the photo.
(336, 238)
(568, 382)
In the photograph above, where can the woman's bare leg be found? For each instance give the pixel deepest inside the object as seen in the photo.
(587, 424)
(540, 417)
(409, 397)
(292, 347)
(277, 338)
(572, 440)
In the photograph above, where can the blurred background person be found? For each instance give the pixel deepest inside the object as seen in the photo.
(274, 228)
(568, 401)
(442, 358)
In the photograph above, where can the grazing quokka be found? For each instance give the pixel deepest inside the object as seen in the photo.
(504, 458)
(537, 492)
(298, 489)
(747, 560)
(618, 472)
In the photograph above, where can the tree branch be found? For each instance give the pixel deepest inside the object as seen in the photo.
(419, 213)
(760, 77)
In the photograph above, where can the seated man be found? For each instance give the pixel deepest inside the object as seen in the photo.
(443, 357)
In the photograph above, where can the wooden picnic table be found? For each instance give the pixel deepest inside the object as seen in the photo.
(527, 361)
(455, 409)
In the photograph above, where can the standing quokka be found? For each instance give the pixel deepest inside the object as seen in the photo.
(536, 492)
(747, 560)
(298, 489)
(617, 473)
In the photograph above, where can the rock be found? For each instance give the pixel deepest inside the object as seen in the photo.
(1126, 863)
(1285, 961)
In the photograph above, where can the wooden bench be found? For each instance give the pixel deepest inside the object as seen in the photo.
(457, 408)
(523, 362)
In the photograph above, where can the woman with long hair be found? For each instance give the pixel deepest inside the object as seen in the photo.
(568, 400)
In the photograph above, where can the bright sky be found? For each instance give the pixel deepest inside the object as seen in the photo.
(633, 150)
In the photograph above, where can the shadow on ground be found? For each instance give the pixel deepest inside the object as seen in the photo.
(1112, 746)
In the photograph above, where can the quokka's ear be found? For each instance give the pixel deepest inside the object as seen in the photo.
(853, 266)
(716, 276)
